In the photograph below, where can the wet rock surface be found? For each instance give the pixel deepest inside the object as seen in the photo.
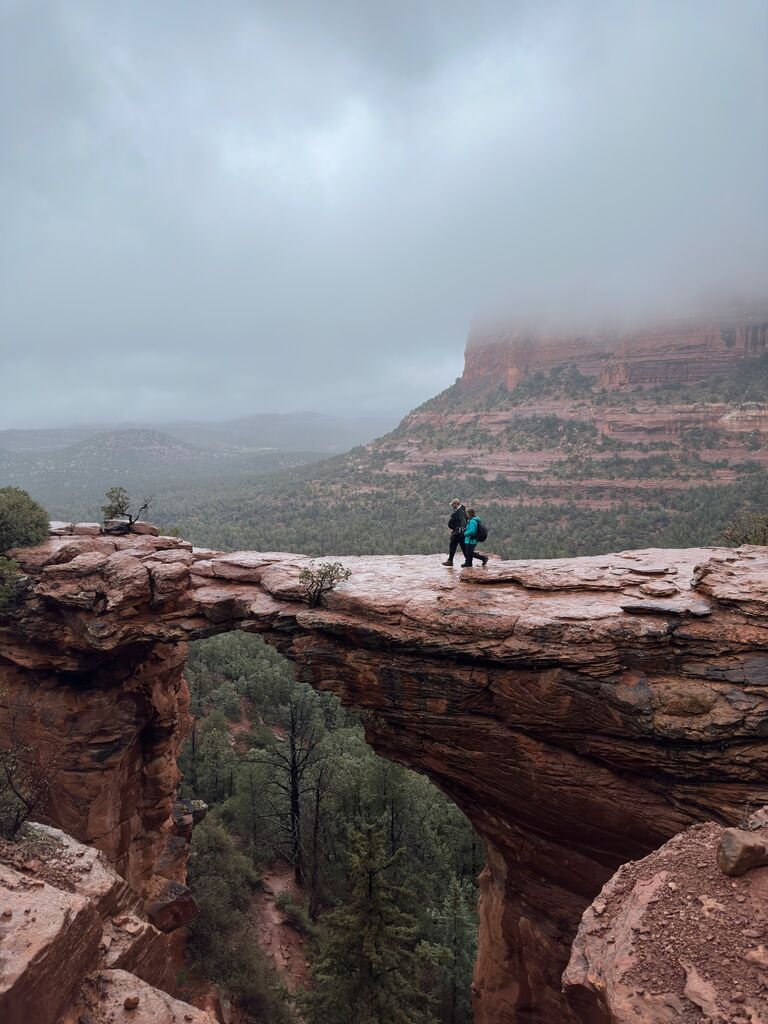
(580, 712)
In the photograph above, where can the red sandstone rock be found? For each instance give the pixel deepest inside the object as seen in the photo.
(169, 905)
(86, 529)
(59, 528)
(146, 529)
(46, 954)
(110, 996)
(69, 914)
(578, 720)
(671, 939)
(741, 851)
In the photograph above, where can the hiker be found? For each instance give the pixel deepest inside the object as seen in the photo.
(473, 532)
(456, 525)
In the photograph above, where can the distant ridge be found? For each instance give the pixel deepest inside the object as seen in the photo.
(286, 432)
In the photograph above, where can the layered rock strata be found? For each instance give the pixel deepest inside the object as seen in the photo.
(588, 421)
(68, 921)
(580, 712)
(681, 351)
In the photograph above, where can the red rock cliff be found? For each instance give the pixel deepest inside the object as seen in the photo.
(580, 712)
(681, 351)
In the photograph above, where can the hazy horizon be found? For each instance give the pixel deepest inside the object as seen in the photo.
(210, 213)
(213, 421)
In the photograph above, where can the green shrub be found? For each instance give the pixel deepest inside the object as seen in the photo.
(10, 582)
(26, 776)
(747, 528)
(226, 698)
(295, 914)
(318, 580)
(23, 522)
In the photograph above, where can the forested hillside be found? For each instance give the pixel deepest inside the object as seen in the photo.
(289, 777)
(558, 465)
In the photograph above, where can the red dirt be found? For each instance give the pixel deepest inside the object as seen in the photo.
(275, 936)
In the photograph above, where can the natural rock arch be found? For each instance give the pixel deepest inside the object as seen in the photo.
(579, 711)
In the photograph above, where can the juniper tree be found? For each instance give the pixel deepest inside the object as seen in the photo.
(118, 506)
(22, 521)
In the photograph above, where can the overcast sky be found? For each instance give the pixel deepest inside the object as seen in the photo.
(216, 208)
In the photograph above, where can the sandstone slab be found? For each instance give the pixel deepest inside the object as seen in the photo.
(113, 995)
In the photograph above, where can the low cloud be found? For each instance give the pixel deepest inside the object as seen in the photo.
(215, 209)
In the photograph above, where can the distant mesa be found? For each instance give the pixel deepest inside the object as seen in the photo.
(680, 351)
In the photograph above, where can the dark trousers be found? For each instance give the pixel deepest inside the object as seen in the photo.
(469, 550)
(457, 541)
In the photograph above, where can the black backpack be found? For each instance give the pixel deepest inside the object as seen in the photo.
(482, 531)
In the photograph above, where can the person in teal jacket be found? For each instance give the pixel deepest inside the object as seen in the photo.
(470, 540)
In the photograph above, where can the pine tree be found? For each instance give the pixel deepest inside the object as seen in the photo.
(367, 969)
(457, 940)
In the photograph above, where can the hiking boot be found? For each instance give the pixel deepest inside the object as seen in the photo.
(485, 560)
(449, 562)
(466, 565)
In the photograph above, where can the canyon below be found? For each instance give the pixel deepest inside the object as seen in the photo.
(580, 712)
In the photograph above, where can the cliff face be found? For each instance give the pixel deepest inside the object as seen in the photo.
(591, 421)
(75, 940)
(580, 712)
(681, 351)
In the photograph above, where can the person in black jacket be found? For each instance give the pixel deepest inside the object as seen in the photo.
(456, 525)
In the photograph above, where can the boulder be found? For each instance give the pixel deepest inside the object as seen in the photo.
(116, 526)
(145, 529)
(740, 851)
(57, 528)
(170, 905)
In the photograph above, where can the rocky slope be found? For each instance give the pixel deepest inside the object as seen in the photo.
(75, 943)
(580, 712)
(672, 938)
(593, 419)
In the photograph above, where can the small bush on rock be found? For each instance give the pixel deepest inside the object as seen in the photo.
(118, 506)
(23, 522)
(317, 581)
